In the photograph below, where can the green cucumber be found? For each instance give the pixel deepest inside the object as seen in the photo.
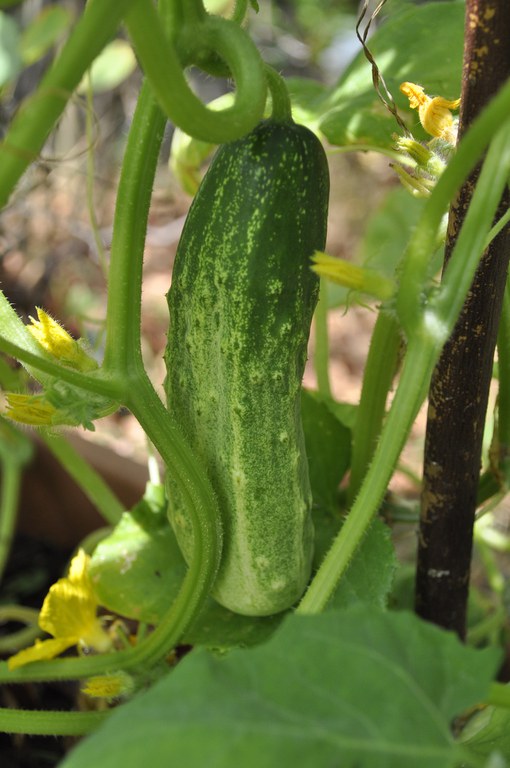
(241, 305)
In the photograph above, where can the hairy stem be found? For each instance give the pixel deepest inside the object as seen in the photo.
(379, 373)
(162, 64)
(321, 353)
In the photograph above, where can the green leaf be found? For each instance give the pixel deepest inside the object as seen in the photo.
(219, 628)
(113, 65)
(487, 731)
(307, 97)
(358, 688)
(137, 572)
(10, 59)
(389, 230)
(44, 31)
(385, 239)
(359, 119)
(138, 569)
(370, 575)
(328, 448)
(421, 44)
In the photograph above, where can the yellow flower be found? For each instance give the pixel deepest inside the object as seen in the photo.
(55, 340)
(415, 182)
(352, 276)
(109, 687)
(69, 613)
(30, 409)
(435, 114)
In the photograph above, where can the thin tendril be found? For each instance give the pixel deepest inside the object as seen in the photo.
(380, 86)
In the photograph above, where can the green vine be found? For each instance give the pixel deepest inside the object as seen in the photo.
(163, 66)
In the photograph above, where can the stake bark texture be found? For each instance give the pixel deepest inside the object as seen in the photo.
(460, 385)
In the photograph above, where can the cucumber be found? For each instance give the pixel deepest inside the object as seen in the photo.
(241, 305)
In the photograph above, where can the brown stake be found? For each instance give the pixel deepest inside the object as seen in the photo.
(460, 384)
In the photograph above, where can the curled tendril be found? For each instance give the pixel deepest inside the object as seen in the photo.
(380, 86)
(210, 44)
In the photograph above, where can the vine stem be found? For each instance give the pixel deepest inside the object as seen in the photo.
(42, 367)
(203, 511)
(163, 66)
(47, 723)
(9, 494)
(123, 356)
(281, 109)
(321, 354)
(379, 372)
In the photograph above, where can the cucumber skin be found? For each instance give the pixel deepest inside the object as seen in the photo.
(241, 304)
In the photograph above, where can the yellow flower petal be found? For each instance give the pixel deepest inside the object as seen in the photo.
(69, 609)
(352, 276)
(33, 410)
(59, 343)
(109, 686)
(43, 650)
(69, 614)
(78, 572)
(415, 93)
(435, 115)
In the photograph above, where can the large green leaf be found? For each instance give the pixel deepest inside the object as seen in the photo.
(422, 44)
(351, 688)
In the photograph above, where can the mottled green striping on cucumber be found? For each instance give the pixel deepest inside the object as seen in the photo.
(241, 305)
